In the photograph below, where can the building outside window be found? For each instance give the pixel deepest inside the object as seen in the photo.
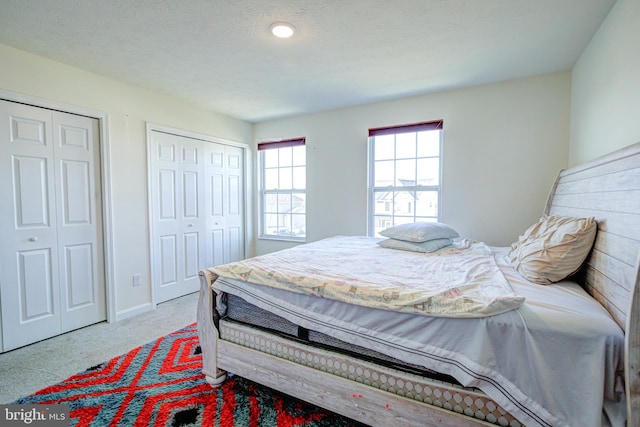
(283, 189)
(404, 174)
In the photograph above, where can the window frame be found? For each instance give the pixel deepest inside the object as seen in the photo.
(372, 219)
(264, 193)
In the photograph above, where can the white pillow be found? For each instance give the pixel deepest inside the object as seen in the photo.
(428, 246)
(553, 248)
(420, 232)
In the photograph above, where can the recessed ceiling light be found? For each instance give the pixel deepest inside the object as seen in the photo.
(282, 30)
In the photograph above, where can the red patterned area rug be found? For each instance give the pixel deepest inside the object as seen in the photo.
(161, 384)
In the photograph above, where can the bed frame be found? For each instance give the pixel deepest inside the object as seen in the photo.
(607, 188)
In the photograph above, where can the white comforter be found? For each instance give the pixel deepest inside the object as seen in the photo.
(555, 361)
(461, 280)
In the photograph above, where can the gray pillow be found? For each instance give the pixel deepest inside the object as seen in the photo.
(428, 246)
(420, 232)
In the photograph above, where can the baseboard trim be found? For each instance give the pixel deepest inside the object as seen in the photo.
(134, 311)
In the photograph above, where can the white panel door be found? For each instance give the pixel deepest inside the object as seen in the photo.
(177, 189)
(79, 220)
(215, 235)
(235, 202)
(51, 278)
(197, 203)
(29, 251)
(224, 171)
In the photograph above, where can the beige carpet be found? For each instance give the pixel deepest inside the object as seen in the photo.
(28, 369)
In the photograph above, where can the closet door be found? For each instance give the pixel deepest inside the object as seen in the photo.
(197, 203)
(177, 214)
(51, 274)
(224, 171)
(79, 221)
(29, 252)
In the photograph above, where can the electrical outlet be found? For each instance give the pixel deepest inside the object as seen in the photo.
(137, 279)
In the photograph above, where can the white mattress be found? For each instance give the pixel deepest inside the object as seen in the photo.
(555, 361)
(460, 280)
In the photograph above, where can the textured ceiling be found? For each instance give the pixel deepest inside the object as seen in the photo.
(220, 54)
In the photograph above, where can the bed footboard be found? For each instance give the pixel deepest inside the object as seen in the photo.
(208, 331)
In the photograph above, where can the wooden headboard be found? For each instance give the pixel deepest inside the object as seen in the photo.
(608, 188)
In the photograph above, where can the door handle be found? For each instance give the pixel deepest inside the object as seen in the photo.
(33, 239)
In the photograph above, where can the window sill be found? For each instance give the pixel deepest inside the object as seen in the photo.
(283, 239)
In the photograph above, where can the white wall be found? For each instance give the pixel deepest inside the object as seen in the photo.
(605, 93)
(503, 146)
(128, 108)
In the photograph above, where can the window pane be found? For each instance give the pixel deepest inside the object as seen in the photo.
(404, 203)
(299, 155)
(271, 203)
(284, 224)
(300, 177)
(286, 156)
(270, 224)
(383, 202)
(402, 220)
(284, 203)
(428, 143)
(298, 203)
(298, 225)
(271, 179)
(286, 179)
(270, 158)
(406, 172)
(427, 203)
(429, 171)
(384, 147)
(382, 222)
(406, 145)
(384, 173)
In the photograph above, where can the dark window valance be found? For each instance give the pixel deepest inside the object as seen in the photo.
(412, 127)
(282, 143)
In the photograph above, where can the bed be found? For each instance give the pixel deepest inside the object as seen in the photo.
(577, 367)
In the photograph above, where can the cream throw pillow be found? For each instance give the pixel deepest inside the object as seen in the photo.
(553, 248)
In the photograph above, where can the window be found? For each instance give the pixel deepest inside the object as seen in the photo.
(283, 189)
(404, 174)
